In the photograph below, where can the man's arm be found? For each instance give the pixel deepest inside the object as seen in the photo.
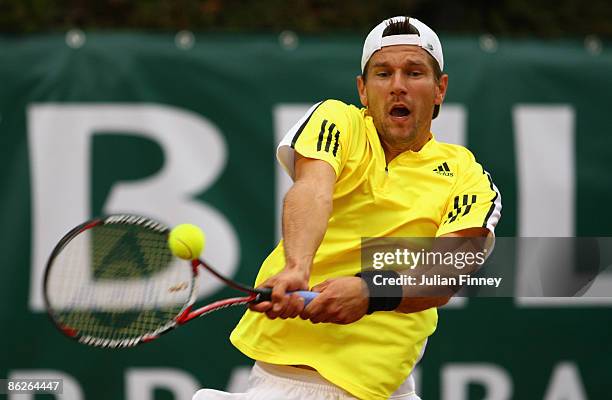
(306, 211)
(345, 300)
(474, 243)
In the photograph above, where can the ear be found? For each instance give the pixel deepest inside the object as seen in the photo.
(441, 89)
(361, 88)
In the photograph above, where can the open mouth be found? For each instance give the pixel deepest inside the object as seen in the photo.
(399, 111)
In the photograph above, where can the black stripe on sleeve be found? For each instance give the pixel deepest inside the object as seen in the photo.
(320, 142)
(329, 136)
(336, 144)
(299, 131)
(484, 224)
(469, 206)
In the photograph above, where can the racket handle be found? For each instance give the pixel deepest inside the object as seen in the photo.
(266, 293)
(306, 295)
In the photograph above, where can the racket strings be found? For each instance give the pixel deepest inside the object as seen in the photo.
(117, 282)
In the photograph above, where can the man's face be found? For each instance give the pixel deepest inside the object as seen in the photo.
(400, 92)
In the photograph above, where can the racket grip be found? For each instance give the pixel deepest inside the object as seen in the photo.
(306, 295)
(266, 293)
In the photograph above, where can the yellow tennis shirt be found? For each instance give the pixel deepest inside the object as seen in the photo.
(434, 191)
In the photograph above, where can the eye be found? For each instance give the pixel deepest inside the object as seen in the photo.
(415, 73)
(382, 74)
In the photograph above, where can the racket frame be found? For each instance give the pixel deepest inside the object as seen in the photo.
(186, 314)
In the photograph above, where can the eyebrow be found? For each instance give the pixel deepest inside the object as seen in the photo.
(383, 64)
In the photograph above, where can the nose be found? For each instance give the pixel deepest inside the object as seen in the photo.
(398, 84)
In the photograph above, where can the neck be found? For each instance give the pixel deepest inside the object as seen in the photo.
(394, 150)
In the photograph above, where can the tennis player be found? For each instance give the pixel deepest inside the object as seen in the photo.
(375, 171)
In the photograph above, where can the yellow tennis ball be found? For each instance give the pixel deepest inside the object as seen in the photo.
(186, 241)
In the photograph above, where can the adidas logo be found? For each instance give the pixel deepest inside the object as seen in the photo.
(429, 46)
(443, 170)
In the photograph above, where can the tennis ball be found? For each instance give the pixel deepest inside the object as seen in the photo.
(186, 241)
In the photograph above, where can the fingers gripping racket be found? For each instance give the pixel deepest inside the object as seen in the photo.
(113, 282)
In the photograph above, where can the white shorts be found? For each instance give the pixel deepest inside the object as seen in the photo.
(280, 382)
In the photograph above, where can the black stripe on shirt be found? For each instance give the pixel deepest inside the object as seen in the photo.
(329, 136)
(321, 132)
(469, 206)
(299, 131)
(484, 224)
(336, 144)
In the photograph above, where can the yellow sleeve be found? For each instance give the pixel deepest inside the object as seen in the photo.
(475, 200)
(322, 133)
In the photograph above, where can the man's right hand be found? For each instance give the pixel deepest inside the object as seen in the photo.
(284, 305)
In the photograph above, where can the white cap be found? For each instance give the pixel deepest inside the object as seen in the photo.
(426, 39)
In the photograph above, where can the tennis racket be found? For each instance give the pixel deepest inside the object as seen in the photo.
(113, 282)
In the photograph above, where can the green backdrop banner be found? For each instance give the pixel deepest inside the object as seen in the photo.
(186, 133)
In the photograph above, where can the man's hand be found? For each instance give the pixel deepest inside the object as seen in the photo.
(341, 301)
(306, 211)
(283, 305)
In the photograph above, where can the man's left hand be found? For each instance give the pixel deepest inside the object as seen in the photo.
(341, 301)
